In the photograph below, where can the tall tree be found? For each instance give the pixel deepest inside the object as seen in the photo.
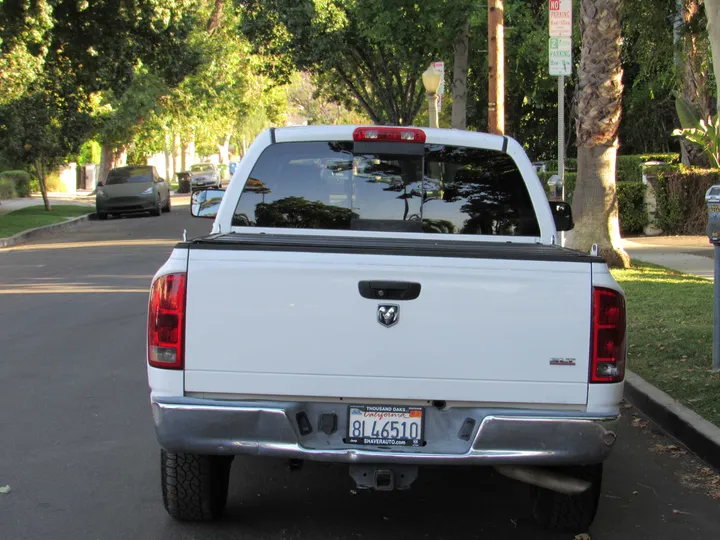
(712, 11)
(460, 76)
(76, 64)
(599, 96)
(367, 54)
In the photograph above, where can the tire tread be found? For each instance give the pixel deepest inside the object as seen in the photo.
(569, 513)
(194, 486)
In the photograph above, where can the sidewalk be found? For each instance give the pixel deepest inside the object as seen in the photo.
(687, 254)
(81, 198)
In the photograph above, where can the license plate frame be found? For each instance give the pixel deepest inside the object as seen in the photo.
(387, 411)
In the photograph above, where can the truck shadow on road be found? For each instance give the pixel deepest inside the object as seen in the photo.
(321, 502)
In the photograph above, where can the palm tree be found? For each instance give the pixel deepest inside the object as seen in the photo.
(599, 104)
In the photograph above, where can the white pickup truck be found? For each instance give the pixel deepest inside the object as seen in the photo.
(387, 298)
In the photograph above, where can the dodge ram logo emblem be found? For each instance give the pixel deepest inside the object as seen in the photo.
(388, 314)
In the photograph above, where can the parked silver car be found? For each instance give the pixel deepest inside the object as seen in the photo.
(136, 188)
(204, 175)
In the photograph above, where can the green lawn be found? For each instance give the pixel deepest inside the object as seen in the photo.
(670, 334)
(36, 216)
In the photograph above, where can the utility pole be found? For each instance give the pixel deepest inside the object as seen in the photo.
(496, 68)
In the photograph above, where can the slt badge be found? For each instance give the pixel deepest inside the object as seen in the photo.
(388, 314)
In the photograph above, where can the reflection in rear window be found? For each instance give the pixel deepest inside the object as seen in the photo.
(451, 190)
(129, 176)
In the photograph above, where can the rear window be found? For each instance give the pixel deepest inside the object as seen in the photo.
(201, 168)
(129, 176)
(448, 189)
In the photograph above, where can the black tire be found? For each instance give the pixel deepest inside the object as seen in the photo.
(167, 206)
(194, 487)
(157, 210)
(569, 513)
(102, 216)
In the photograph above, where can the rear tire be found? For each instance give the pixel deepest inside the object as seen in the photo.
(102, 216)
(194, 487)
(157, 210)
(569, 513)
(167, 206)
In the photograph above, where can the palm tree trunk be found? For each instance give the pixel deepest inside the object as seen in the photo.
(599, 94)
(712, 11)
(460, 73)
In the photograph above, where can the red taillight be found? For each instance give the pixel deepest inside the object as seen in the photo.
(166, 322)
(608, 337)
(388, 134)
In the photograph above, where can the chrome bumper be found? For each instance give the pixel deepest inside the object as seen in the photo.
(498, 436)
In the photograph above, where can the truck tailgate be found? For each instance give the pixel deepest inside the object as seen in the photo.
(483, 329)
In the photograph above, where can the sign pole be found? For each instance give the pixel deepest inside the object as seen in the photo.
(560, 48)
(561, 142)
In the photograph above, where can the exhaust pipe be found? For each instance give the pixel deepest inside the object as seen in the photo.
(545, 478)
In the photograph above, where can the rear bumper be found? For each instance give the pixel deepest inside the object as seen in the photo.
(498, 437)
(203, 182)
(126, 204)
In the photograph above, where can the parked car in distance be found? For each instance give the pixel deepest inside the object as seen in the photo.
(132, 189)
(204, 175)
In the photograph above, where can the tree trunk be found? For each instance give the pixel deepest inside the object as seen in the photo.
(111, 157)
(712, 11)
(689, 59)
(215, 17)
(460, 73)
(189, 152)
(599, 106)
(177, 152)
(183, 155)
(40, 170)
(595, 206)
(106, 162)
(224, 150)
(166, 153)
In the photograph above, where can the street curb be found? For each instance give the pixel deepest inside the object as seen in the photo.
(24, 236)
(697, 434)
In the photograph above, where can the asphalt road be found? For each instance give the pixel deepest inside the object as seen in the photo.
(78, 450)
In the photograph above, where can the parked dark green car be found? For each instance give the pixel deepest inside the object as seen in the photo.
(132, 189)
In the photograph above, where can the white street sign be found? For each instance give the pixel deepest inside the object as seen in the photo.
(560, 56)
(561, 18)
(440, 66)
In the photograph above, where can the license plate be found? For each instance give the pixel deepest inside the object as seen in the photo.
(385, 425)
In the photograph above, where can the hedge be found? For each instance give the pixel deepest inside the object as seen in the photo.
(627, 168)
(7, 188)
(631, 207)
(680, 195)
(21, 181)
(631, 201)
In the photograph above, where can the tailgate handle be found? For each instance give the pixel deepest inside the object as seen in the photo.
(389, 290)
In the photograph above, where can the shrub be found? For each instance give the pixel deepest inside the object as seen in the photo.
(631, 207)
(570, 165)
(671, 159)
(20, 180)
(627, 168)
(7, 188)
(631, 201)
(680, 195)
